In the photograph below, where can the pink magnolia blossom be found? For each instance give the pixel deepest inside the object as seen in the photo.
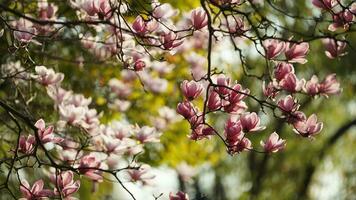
(139, 65)
(46, 135)
(324, 4)
(93, 7)
(223, 83)
(48, 76)
(141, 174)
(24, 31)
(295, 117)
(79, 100)
(200, 131)
(163, 11)
(343, 19)
(233, 131)
(34, 192)
(273, 48)
(235, 107)
(170, 41)
(58, 94)
(282, 70)
(26, 145)
(142, 27)
(178, 196)
(334, 48)
(72, 114)
(186, 109)
(291, 83)
(329, 85)
(312, 86)
(242, 145)
(296, 53)
(238, 94)
(147, 134)
(46, 10)
(308, 127)
(235, 25)
(288, 104)
(89, 165)
(119, 88)
(270, 91)
(199, 18)
(250, 122)
(214, 101)
(273, 144)
(234, 102)
(191, 89)
(139, 25)
(65, 183)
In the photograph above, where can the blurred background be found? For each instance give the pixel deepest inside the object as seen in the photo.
(323, 168)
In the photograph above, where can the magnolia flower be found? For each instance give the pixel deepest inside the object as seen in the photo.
(234, 103)
(186, 109)
(66, 185)
(72, 114)
(233, 131)
(156, 85)
(235, 25)
(24, 31)
(89, 166)
(214, 101)
(46, 135)
(308, 127)
(170, 40)
(120, 105)
(46, 10)
(250, 122)
(199, 130)
(329, 85)
(312, 86)
(324, 4)
(163, 11)
(139, 25)
(191, 89)
(34, 192)
(48, 76)
(26, 145)
(121, 89)
(79, 100)
(223, 83)
(242, 145)
(273, 48)
(334, 48)
(58, 94)
(199, 18)
(93, 7)
(147, 134)
(295, 53)
(139, 65)
(343, 19)
(178, 196)
(288, 104)
(291, 83)
(273, 144)
(282, 70)
(112, 145)
(141, 174)
(270, 91)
